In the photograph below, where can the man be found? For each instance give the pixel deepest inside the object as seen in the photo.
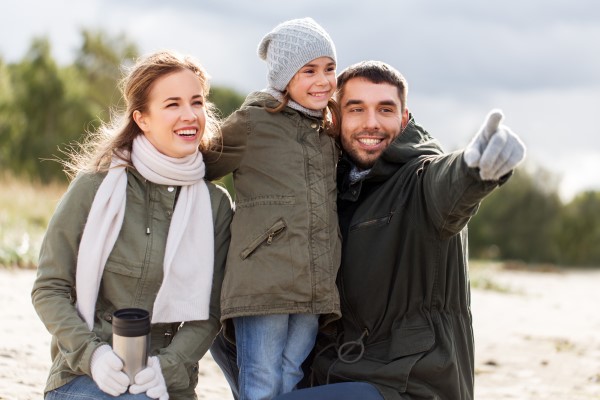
(406, 328)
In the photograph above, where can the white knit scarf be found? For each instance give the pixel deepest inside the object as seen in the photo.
(184, 294)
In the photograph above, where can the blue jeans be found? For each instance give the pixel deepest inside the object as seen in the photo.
(84, 388)
(335, 391)
(270, 352)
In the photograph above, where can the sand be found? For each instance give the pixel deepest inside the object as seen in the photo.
(537, 336)
(25, 346)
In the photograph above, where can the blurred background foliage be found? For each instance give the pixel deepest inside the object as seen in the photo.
(45, 108)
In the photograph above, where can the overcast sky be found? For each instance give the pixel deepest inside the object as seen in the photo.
(537, 60)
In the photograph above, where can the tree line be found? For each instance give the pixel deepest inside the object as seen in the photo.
(46, 107)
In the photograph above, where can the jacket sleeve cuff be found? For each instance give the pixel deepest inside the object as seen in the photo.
(86, 358)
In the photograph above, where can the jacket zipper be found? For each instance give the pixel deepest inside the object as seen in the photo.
(272, 234)
(148, 188)
(378, 221)
(266, 238)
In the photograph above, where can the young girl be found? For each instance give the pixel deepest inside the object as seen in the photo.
(138, 227)
(285, 246)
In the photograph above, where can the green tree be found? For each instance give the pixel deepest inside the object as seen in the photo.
(580, 234)
(100, 62)
(45, 108)
(521, 220)
(52, 107)
(225, 99)
(40, 112)
(8, 117)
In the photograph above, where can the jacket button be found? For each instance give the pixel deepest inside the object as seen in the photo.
(314, 125)
(170, 188)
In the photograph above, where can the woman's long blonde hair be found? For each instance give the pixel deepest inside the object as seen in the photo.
(112, 138)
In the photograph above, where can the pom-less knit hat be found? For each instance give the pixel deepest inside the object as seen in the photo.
(290, 45)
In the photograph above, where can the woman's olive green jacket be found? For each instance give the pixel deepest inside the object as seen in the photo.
(131, 278)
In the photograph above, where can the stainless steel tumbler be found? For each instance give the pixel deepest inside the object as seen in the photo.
(131, 338)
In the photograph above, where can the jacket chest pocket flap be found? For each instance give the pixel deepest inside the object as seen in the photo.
(124, 268)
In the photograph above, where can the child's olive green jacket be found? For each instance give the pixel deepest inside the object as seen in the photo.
(285, 242)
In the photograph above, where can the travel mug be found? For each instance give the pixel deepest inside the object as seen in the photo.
(131, 338)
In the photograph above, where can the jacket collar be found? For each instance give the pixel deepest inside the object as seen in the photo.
(266, 100)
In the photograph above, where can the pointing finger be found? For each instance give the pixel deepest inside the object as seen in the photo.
(492, 123)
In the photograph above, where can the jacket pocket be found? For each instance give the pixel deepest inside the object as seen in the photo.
(411, 337)
(390, 363)
(373, 223)
(391, 375)
(120, 283)
(123, 267)
(265, 238)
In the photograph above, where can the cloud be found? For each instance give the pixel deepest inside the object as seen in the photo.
(558, 127)
(535, 59)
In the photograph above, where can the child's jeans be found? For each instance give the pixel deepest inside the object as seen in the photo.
(270, 352)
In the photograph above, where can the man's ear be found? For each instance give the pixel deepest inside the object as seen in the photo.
(140, 120)
(405, 116)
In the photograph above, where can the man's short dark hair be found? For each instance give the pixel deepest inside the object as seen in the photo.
(376, 72)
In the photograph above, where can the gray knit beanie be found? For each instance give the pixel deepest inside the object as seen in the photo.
(289, 46)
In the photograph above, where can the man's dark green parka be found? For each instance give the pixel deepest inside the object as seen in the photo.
(403, 280)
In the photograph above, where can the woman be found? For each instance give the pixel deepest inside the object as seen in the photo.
(138, 227)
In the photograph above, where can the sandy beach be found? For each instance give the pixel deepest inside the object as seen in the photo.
(537, 336)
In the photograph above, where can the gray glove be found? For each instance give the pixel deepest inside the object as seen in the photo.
(495, 149)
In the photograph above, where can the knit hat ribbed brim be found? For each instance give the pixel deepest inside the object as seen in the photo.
(291, 45)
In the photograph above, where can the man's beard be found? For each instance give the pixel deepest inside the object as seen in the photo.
(357, 156)
(362, 163)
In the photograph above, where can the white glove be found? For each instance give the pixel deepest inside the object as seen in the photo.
(495, 149)
(107, 371)
(151, 381)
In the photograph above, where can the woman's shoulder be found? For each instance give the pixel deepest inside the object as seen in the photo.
(80, 194)
(86, 182)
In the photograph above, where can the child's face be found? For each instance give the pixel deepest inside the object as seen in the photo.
(314, 84)
(175, 119)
